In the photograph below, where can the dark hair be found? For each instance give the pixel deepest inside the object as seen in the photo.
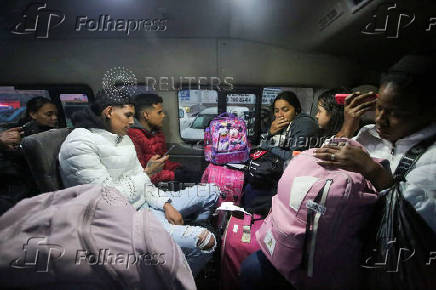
(145, 101)
(291, 98)
(33, 105)
(104, 99)
(415, 91)
(336, 112)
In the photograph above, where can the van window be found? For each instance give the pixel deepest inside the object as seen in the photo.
(72, 103)
(201, 106)
(243, 106)
(13, 104)
(198, 108)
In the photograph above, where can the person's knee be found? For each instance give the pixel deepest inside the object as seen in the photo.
(206, 241)
(214, 193)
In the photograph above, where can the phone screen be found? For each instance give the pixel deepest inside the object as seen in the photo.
(171, 148)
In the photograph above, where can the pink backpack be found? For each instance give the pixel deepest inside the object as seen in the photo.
(311, 234)
(225, 140)
(229, 181)
(88, 237)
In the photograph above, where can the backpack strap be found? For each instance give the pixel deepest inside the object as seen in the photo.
(225, 115)
(246, 228)
(410, 158)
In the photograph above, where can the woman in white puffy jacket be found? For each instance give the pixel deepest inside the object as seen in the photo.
(100, 151)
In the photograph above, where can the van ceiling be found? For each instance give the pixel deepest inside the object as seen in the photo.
(312, 27)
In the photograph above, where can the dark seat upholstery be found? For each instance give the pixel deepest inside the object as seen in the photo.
(41, 152)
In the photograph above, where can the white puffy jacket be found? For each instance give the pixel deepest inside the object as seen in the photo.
(98, 156)
(420, 186)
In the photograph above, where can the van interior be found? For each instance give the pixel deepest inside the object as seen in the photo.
(199, 55)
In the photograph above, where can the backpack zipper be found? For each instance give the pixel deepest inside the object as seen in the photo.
(312, 242)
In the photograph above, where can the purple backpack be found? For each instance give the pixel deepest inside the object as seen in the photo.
(225, 140)
(312, 233)
(88, 237)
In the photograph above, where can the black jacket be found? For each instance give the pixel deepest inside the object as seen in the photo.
(302, 135)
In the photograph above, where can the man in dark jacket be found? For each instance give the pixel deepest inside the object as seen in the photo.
(16, 180)
(150, 141)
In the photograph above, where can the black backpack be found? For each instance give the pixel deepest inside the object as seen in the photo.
(401, 244)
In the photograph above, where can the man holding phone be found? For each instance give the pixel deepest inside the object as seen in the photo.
(150, 142)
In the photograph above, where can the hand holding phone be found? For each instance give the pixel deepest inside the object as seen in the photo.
(155, 164)
(355, 106)
(169, 150)
(340, 98)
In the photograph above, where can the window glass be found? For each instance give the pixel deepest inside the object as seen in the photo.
(243, 106)
(199, 107)
(13, 103)
(72, 103)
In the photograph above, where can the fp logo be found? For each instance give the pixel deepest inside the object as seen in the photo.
(37, 255)
(388, 20)
(38, 20)
(391, 261)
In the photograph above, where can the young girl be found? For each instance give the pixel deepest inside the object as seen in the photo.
(330, 115)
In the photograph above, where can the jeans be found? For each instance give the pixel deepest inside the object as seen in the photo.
(198, 200)
(258, 273)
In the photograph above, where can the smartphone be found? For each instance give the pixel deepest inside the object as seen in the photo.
(340, 98)
(171, 148)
